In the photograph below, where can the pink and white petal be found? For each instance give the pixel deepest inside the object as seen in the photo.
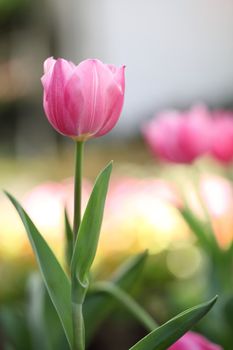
(112, 68)
(119, 76)
(114, 100)
(95, 78)
(55, 95)
(74, 103)
(48, 64)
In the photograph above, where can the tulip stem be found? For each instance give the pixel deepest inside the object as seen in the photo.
(78, 327)
(77, 314)
(78, 186)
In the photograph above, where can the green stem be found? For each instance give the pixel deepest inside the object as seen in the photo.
(77, 186)
(136, 310)
(77, 314)
(78, 327)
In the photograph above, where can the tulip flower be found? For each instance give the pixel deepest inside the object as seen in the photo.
(194, 341)
(82, 101)
(179, 137)
(222, 137)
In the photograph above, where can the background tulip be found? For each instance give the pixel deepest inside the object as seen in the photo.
(194, 341)
(82, 101)
(179, 137)
(222, 136)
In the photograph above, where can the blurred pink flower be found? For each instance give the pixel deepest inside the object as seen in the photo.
(194, 341)
(45, 203)
(82, 101)
(222, 136)
(179, 137)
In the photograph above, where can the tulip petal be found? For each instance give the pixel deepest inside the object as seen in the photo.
(118, 75)
(48, 64)
(112, 110)
(114, 101)
(194, 341)
(74, 102)
(95, 80)
(54, 100)
(48, 69)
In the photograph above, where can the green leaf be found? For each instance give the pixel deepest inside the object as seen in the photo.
(102, 304)
(35, 315)
(127, 273)
(69, 240)
(202, 230)
(167, 334)
(55, 279)
(88, 234)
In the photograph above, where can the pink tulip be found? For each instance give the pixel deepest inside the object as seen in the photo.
(179, 137)
(82, 101)
(194, 341)
(222, 137)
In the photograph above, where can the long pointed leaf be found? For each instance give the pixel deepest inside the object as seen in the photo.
(55, 279)
(197, 227)
(128, 272)
(88, 234)
(69, 240)
(163, 337)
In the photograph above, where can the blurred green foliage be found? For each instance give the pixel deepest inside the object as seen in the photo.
(11, 7)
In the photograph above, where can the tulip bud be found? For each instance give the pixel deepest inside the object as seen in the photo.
(82, 101)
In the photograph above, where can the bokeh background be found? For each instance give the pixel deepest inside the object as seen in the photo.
(177, 54)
